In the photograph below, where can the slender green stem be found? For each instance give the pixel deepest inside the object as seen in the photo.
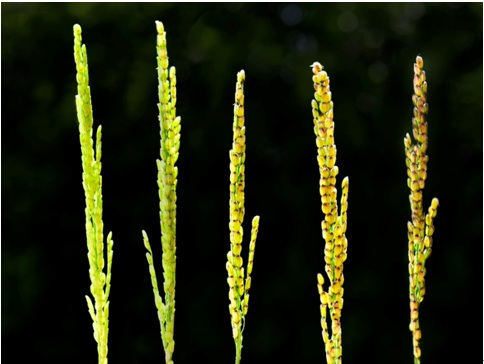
(238, 349)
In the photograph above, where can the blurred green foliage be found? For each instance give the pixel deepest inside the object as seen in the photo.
(368, 51)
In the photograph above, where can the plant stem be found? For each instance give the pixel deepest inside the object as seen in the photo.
(238, 349)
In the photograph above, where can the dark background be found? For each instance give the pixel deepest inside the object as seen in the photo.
(368, 51)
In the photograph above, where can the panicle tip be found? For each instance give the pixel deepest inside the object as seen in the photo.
(317, 67)
(241, 76)
(77, 29)
(159, 27)
(419, 61)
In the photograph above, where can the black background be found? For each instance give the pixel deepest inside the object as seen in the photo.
(368, 51)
